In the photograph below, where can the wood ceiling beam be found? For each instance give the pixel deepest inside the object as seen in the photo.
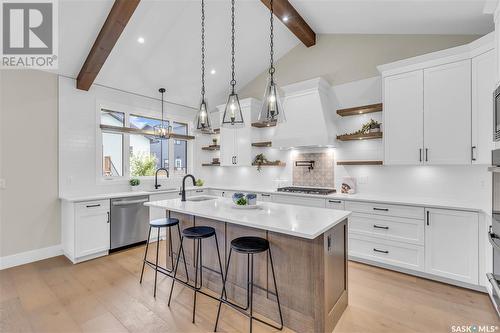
(111, 30)
(294, 22)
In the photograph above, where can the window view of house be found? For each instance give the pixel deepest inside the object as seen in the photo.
(180, 149)
(147, 152)
(112, 144)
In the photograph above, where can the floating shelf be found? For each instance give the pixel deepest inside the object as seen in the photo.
(210, 164)
(360, 162)
(277, 164)
(263, 125)
(360, 110)
(262, 144)
(363, 136)
(216, 131)
(211, 147)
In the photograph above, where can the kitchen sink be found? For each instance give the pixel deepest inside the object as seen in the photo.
(201, 198)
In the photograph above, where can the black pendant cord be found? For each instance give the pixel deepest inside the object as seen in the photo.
(271, 19)
(162, 91)
(203, 51)
(233, 80)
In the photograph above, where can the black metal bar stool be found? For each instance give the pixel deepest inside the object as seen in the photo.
(197, 234)
(249, 246)
(158, 224)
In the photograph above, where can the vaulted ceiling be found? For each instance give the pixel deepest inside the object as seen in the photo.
(170, 54)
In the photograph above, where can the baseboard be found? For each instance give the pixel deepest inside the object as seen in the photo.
(30, 256)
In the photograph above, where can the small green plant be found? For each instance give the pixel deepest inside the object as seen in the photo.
(143, 164)
(214, 140)
(241, 201)
(199, 182)
(372, 124)
(134, 182)
(259, 160)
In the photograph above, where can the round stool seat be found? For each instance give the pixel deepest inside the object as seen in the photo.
(250, 244)
(198, 232)
(165, 222)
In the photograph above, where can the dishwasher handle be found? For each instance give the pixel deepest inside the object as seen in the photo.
(129, 202)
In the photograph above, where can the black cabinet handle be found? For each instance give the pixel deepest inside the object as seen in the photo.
(381, 209)
(335, 201)
(472, 153)
(108, 216)
(92, 206)
(381, 251)
(428, 218)
(265, 195)
(199, 191)
(427, 154)
(420, 154)
(381, 227)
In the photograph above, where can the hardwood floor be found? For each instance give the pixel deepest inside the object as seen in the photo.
(104, 295)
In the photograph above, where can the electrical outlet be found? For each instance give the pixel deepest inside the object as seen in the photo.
(3, 185)
(363, 180)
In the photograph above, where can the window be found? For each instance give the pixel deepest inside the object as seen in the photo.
(147, 153)
(180, 149)
(112, 144)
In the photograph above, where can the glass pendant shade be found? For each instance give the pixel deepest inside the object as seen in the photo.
(272, 110)
(203, 123)
(162, 131)
(233, 117)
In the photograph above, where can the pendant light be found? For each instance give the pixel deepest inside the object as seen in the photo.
(203, 123)
(271, 112)
(162, 130)
(233, 117)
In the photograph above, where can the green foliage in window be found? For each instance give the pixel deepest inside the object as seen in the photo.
(142, 164)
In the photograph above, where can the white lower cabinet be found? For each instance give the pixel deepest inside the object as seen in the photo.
(85, 229)
(335, 204)
(452, 244)
(296, 200)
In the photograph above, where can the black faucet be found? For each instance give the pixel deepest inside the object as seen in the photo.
(156, 177)
(183, 189)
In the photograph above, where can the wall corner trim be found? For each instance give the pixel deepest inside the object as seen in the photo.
(30, 256)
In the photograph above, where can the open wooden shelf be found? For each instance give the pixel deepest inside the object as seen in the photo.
(210, 164)
(360, 110)
(362, 136)
(263, 125)
(262, 144)
(216, 131)
(277, 164)
(211, 147)
(360, 162)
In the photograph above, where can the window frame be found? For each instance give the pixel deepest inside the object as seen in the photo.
(128, 111)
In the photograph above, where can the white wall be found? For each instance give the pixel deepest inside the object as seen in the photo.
(79, 132)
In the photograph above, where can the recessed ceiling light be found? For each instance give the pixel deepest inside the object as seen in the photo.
(285, 18)
(140, 40)
(213, 71)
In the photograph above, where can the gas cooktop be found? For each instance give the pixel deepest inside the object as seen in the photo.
(307, 190)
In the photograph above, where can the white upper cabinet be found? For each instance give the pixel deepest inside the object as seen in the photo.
(403, 118)
(483, 85)
(235, 143)
(447, 113)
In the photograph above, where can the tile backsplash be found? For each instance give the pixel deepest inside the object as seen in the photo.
(320, 176)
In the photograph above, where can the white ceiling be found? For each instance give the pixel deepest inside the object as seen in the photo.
(170, 56)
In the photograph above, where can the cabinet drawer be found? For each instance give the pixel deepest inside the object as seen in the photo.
(91, 206)
(388, 227)
(392, 253)
(387, 210)
(335, 204)
(301, 201)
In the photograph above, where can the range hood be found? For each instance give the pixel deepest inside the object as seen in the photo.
(310, 116)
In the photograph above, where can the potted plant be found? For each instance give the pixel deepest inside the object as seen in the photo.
(134, 183)
(374, 126)
(214, 141)
(259, 160)
(199, 182)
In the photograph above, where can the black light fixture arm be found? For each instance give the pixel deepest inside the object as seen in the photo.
(203, 50)
(271, 37)
(233, 75)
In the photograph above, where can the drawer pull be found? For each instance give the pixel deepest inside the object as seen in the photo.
(381, 209)
(265, 195)
(199, 191)
(381, 227)
(381, 251)
(92, 206)
(335, 201)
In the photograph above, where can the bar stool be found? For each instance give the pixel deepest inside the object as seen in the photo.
(249, 246)
(158, 224)
(197, 234)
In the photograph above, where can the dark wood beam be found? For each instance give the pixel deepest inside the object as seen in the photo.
(111, 30)
(294, 22)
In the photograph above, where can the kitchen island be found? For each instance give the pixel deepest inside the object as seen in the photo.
(309, 247)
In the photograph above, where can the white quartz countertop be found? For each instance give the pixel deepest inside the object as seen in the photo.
(299, 221)
(103, 196)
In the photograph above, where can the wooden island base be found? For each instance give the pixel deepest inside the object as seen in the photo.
(311, 274)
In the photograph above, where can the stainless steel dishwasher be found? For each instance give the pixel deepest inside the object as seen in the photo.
(129, 221)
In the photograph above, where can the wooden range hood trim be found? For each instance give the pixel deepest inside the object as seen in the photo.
(129, 130)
